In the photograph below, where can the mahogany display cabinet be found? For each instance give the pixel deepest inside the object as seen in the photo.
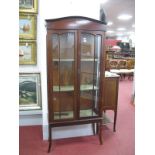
(75, 71)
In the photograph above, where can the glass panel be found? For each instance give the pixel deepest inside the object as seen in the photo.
(67, 46)
(55, 46)
(63, 75)
(97, 46)
(56, 105)
(63, 105)
(56, 77)
(66, 74)
(89, 74)
(97, 70)
(87, 46)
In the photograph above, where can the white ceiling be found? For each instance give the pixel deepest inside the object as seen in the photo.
(114, 8)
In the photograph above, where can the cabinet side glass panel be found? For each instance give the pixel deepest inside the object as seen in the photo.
(97, 71)
(63, 75)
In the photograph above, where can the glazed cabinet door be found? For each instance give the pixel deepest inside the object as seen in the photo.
(62, 66)
(89, 73)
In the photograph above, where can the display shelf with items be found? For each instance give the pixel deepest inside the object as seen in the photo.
(120, 55)
(75, 65)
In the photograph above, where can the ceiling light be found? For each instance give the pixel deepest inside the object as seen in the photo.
(110, 31)
(110, 23)
(130, 32)
(121, 29)
(124, 17)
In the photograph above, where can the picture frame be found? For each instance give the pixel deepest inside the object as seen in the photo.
(29, 91)
(28, 6)
(27, 52)
(27, 26)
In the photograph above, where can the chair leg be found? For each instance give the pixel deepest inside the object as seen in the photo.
(100, 132)
(129, 77)
(124, 76)
(49, 139)
(120, 76)
(115, 118)
(97, 128)
(93, 127)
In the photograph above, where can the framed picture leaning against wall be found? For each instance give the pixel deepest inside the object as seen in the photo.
(29, 91)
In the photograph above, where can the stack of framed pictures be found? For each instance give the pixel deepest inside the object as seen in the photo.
(29, 83)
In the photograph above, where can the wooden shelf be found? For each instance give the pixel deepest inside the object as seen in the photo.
(87, 87)
(63, 88)
(87, 113)
(89, 59)
(85, 59)
(69, 114)
(63, 60)
(71, 88)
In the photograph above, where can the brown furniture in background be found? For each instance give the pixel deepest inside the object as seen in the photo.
(120, 64)
(123, 67)
(113, 64)
(111, 94)
(112, 54)
(110, 99)
(75, 71)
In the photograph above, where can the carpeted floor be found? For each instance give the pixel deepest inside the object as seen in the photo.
(121, 142)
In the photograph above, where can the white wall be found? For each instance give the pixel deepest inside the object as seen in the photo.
(28, 118)
(54, 9)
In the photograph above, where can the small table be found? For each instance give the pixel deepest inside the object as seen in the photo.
(122, 72)
(111, 94)
(110, 98)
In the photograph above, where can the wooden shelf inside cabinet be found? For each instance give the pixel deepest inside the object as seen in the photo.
(67, 60)
(63, 60)
(63, 88)
(75, 68)
(69, 114)
(71, 88)
(88, 87)
(89, 60)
